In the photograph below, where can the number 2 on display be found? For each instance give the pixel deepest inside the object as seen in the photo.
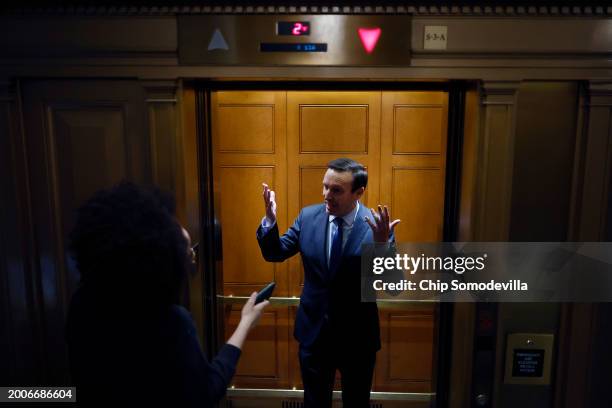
(298, 29)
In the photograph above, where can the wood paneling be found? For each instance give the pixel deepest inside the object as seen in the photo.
(333, 128)
(165, 138)
(496, 159)
(405, 363)
(546, 112)
(413, 165)
(596, 174)
(464, 313)
(417, 129)
(20, 330)
(242, 263)
(415, 195)
(81, 136)
(188, 197)
(310, 186)
(337, 124)
(413, 160)
(414, 152)
(264, 358)
(580, 338)
(104, 36)
(461, 355)
(6, 168)
(249, 147)
(469, 166)
(78, 136)
(321, 126)
(252, 133)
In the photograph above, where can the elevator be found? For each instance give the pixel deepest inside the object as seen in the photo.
(476, 123)
(285, 135)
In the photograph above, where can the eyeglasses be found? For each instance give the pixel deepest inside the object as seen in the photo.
(193, 251)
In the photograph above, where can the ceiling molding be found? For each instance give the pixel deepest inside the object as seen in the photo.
(483, 10)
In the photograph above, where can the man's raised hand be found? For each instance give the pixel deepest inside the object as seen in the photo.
(270, 202)
(381, 227)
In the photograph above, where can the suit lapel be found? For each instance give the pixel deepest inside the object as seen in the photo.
(358, 232)
(360, 228)
(320, 223)
(353, 244)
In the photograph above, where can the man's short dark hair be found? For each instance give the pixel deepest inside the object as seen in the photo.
(360, 175)
(129, 247)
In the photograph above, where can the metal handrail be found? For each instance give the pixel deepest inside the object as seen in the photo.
(295, 301)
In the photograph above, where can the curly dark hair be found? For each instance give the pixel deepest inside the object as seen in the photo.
(129, 247)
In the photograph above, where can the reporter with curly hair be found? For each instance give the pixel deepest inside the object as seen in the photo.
(129, 341)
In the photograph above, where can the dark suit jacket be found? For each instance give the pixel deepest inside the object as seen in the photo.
(331, 300)
(122, 356)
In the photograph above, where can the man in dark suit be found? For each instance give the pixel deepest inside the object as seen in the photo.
(336, 331)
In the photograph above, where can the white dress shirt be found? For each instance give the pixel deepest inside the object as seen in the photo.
(347, 226)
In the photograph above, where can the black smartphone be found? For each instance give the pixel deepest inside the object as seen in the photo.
(265, 293)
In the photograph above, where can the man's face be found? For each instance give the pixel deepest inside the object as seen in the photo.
(337, 186)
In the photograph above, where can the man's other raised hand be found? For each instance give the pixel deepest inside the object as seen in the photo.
(269, 198)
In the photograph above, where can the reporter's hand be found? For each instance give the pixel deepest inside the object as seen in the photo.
(252, 312)
(270, 202)
(249, 316)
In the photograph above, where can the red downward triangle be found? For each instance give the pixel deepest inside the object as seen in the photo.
(369, 38)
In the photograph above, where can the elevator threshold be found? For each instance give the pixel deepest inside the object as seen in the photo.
(282, 398)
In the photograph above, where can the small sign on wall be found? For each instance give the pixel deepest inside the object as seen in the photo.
(529, 358)
(528, 363)
(434, 37)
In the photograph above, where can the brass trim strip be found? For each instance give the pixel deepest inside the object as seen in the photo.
(274, 301)
(295, 301)
(161, 100)
(375, 396)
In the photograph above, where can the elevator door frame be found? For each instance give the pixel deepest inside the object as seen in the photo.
(210, 229)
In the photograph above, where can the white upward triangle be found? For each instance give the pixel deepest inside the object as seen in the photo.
(217, 42)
